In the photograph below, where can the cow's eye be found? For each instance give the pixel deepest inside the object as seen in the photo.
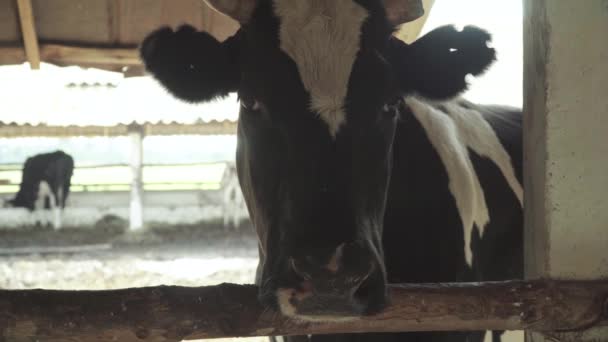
(390, 110)
(250, 104)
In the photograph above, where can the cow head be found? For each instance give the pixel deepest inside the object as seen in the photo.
(320, 83)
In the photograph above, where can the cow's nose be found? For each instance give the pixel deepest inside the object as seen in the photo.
(340, 273)
(348, 283)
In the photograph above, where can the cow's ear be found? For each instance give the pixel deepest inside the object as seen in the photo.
(192, 65)
(436, 65)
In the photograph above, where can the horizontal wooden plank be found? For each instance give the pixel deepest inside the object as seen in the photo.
(70, 55)
(170, 313)
(76, 55)
(12, 55)
(74, 21)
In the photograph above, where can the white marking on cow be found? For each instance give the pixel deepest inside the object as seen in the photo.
(452, 134)
(336, 260)
(44, 191)
(58, 208)
(481, 138)
(463, 182)
(284, 298)
(322, 37)
(235, 209)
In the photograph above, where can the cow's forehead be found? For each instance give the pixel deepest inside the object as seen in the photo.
(323, 39)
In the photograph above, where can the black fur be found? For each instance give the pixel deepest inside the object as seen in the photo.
(436, 65)
(55, 168)
(192, 65)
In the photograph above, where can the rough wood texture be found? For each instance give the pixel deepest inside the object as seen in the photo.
(99, 33)
(110, 23)
(70, 55)
(78, 55)
(12, 55)
(178, 313)
(28, 31)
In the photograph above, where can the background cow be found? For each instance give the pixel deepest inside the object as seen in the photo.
(358, 163)
(233, 203)
(45, 184)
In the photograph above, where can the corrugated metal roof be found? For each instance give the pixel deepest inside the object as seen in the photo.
(149, 129)
(73, 96)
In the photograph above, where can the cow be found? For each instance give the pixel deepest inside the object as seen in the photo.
(233, 203)
(359, 162)
(45, 184)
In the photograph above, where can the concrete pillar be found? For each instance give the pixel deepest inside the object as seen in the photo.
(566, 145)
(136, 216)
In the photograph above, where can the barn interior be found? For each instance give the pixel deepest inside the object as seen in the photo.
(151, 199)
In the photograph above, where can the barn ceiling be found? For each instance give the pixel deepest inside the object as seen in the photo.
(105, 33)
(95, 33)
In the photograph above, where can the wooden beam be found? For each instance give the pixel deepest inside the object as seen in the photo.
(114, 20)
(170, 313)
(28, 31)
(134, 71)
(72, 55)
(410, 31)
(12, 55)
(77, 55)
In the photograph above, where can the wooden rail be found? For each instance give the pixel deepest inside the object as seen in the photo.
(72, 55)
(228, 310)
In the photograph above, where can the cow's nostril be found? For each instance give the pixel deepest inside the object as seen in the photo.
(298, 270)
(360, 289)
(335, 261)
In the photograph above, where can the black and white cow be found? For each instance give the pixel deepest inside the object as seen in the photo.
(359, 164)
(45, 184)
(233, 203)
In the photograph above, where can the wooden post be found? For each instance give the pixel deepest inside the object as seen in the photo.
(566, 145)
(28, 31)
(136, 221)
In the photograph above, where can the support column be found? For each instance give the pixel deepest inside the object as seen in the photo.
(28, 32)
(566, 145)
(136, 216)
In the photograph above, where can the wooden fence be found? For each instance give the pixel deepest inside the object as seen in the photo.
(171, 313)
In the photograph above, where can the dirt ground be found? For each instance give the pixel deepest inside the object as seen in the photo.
(187, 255)
(111, 258)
